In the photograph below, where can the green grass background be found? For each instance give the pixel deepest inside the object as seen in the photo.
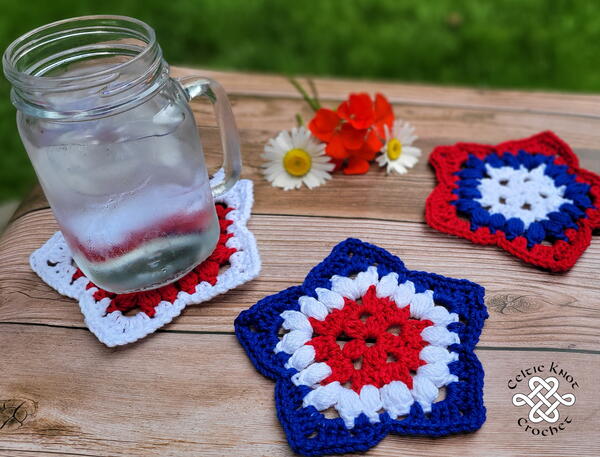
(529, 44)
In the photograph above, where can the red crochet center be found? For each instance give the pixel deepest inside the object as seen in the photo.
(148, 301)
(382, 342)
(442, 215)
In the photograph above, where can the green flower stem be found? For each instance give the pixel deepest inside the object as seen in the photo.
(315, 94)
(313, 103)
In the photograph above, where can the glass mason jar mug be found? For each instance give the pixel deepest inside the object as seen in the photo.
(115, 147)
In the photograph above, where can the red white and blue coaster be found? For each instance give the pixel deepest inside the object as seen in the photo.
(527, 196)
(364, 347)
(118, 319)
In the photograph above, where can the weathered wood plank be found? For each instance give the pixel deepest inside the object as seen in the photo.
(177, 395)
(174, 394)
(393, 197)
(528, 307)
(409, 94)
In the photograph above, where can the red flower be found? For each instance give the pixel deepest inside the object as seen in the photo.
(324, 123)
(354, 132)
(384, 115)
(358, 111)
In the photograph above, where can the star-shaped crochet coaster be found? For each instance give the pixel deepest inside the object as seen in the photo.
(527, 196)
(364, 347)
(108, 316)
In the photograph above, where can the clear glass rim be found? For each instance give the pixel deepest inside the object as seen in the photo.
(20, 78)
(35, 61)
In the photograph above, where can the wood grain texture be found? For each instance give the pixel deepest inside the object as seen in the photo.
(189, 390)
(398, 199)
(191, 395)
(585, 105)
(528, 307)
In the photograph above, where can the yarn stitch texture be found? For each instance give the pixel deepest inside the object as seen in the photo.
(234, 262)
(529, 196)
(373, 343)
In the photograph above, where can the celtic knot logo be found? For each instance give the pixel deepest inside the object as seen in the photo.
(543, 394)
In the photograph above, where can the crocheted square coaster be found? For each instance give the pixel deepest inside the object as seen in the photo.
(527, 196)
(234, 262)
(364, 347)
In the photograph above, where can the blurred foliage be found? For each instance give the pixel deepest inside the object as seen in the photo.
(531, 44)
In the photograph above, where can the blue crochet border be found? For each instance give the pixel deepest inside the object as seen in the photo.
(551, 229)
(307, 430)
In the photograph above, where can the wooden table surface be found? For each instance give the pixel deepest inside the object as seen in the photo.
(189, 389)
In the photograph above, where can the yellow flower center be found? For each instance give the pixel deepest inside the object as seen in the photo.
(394, 149)
(297, 162)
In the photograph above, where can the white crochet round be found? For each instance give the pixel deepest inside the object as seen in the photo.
(394, 397)
(525, 194)
(54, 264)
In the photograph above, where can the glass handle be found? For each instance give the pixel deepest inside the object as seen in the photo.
(195, 86)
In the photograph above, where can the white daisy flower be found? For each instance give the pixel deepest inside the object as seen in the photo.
(397, 153)
(296, 157)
